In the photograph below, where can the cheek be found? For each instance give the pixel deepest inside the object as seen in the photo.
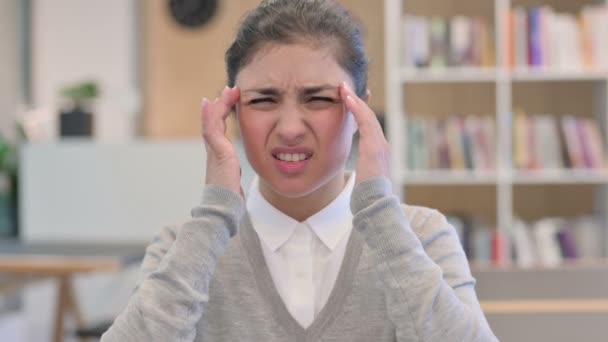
(249, 130)
(337, 130)
(255, 128)
(248, 124)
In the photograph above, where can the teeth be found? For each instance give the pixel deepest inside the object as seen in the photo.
(295, 157)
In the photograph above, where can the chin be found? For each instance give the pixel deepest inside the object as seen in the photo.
(295, 188)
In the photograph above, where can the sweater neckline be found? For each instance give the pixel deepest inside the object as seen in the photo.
(342, 286)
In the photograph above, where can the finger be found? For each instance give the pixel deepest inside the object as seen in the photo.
(220, 108)
(227, 100)
(364, 117)
(212, 129)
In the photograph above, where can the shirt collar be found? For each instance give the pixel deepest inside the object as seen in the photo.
(332, 222)
(274, 227)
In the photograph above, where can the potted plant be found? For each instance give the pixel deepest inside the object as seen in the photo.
(77, 118)
(8, 188)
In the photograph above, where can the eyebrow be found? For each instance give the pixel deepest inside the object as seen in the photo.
(305, 90)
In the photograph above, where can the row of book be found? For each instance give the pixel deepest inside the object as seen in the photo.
(542, 37)
(550, 142)
(546, 242)
(438, 42)
(455, 142)
(550, 241)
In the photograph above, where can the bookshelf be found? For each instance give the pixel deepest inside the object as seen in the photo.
(495, 87)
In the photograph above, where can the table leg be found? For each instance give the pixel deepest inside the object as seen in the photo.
(60, 308)
(66, 303)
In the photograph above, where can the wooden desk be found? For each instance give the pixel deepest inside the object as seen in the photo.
(34, 261)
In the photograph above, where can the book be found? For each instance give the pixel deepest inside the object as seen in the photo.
(439, 43)
(594, 144)
(461, 32)
(523, 244)
(520, 33)
(545, 236)
(416, 40)
(547, 142)
(481, 246)
(572, 142)
(535, 57)
(468, 147)
(520, 140)
(500, 248)
(455, 144)
(567, 242)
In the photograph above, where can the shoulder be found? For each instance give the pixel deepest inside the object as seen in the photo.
(440, 242)
(423, 217)
(428, 223)
(165, 237)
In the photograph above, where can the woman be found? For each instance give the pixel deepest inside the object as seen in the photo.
(316, 253)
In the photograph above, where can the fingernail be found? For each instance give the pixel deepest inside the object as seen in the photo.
(204, 102)
(345, 85)
(349, 98)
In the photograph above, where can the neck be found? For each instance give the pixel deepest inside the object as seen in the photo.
(301, 208)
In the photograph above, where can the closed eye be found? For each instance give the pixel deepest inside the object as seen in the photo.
(320, 98)
(262, 100)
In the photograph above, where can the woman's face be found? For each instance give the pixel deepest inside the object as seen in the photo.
(296, 131)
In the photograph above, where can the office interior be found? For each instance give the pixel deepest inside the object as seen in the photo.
(496, 112)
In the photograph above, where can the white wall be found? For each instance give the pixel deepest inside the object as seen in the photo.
(10, 64)
(90, 192)
(75, 40)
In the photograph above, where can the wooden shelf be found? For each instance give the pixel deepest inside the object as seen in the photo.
(449, 177)
(477, 74)
(517, 177)
(561, 176)
(442, 75)
(543, 74)
(579, 264)
(595, 305)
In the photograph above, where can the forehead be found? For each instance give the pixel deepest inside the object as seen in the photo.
(292, 66)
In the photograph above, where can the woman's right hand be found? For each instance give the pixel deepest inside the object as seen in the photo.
(223, 167)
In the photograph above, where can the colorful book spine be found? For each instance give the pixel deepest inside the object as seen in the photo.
(535, 57)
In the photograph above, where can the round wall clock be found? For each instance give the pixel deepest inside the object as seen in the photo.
(192, 13)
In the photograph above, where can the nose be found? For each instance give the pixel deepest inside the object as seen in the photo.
(291, 126)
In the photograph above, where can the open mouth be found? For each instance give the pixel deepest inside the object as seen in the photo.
(292, 157)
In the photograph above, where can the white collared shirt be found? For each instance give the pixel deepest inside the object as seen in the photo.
(304, 258)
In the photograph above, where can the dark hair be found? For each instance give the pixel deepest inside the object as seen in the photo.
(293, 21)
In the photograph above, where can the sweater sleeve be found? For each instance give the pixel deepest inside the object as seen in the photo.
(429, 287)
(176, 272)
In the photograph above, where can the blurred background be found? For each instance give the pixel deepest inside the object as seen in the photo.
(496, 111)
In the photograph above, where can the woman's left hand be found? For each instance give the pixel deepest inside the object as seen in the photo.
(374, 151)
